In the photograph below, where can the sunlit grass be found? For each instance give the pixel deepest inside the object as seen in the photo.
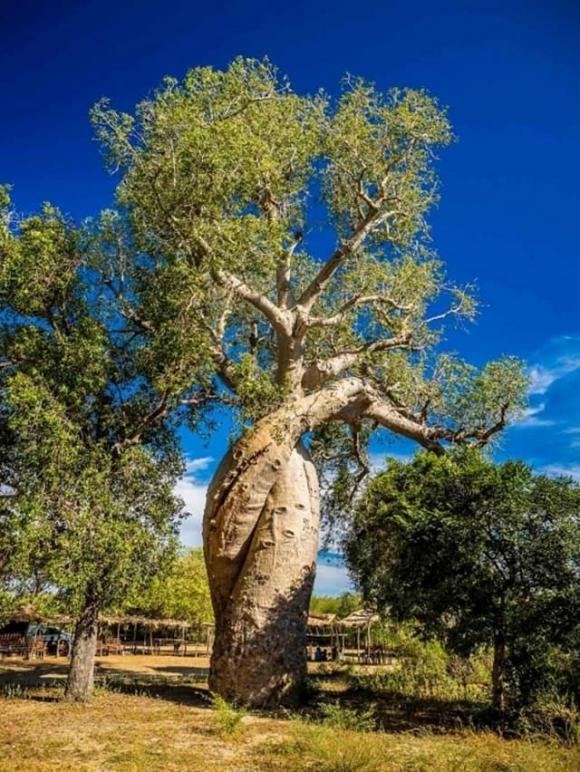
(143, 726)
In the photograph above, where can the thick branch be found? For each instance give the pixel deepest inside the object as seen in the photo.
(275, 315)
(319, 373)
(388, 416)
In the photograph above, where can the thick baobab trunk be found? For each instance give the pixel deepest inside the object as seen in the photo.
(259, 654)
(80, 682)
(260, 540)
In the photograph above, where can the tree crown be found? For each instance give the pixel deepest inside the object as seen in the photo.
(234, 187)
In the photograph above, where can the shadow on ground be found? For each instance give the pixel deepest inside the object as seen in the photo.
(185, 684)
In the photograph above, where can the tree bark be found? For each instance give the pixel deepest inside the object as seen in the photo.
(260, 536)
(261, 598)
(498, 673)
(80, 682)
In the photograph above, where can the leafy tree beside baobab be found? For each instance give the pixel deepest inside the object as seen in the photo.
(89, 459)
(479, 555)
(286, 236)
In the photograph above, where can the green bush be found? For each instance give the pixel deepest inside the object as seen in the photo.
(551, 717)
(425, 670)
(227, 717)
(339, 717)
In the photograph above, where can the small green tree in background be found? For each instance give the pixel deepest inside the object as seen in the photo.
(341, 605)
(180, 591)
(479, 555)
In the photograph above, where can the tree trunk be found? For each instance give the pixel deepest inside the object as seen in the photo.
(80, 682)
(260, 536)
(498, 673)
(259, 653)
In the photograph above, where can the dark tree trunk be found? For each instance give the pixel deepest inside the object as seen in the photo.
(498, 673)
(80, 682)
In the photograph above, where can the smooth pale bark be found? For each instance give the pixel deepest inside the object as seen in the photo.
(260, 541)
(259, 654)
(80, 682)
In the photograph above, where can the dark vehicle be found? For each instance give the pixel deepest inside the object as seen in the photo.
(57, 641)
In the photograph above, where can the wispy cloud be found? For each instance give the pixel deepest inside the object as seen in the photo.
(560, 358)
(558, 470)
(197, 464)
(531, 418)
(192, 489)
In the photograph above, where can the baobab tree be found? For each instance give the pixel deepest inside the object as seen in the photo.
(285, 237)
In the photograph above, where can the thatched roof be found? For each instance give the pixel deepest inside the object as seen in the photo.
(143, 621)
(26, 613)
(360, 618)
(321, 620)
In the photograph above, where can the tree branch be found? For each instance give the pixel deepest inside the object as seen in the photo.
(320, 372)
(275, 315)
(373, 219)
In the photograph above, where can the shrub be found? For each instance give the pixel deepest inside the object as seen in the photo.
(339, 717)
(551, 717)
(227, 717)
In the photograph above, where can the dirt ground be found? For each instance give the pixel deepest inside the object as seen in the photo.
(152, 714)
(52, 669)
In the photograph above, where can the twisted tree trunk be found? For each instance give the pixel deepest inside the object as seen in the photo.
(259, 654)
(260, 541)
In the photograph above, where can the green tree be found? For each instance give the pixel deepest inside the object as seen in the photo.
(342, 605)
(91, 459)
(478, 554)
(181, 591)
(219, 173)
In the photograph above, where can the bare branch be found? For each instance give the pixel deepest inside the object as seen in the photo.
(372, 220)
(354, 302)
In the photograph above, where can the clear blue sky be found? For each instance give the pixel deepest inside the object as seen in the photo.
(509, 72)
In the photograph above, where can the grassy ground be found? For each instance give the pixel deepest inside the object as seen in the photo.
(157, 716)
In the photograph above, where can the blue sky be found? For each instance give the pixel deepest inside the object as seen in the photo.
(509, 72)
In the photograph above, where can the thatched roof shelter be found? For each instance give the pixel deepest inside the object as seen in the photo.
(143, 621)
(360, 618)
(26, 613)
(321, 620)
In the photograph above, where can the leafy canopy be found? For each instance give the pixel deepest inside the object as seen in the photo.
(287, 236)
(476, 553)
(88, 483)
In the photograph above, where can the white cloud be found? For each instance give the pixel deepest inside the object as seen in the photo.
(331, 580)
(197, 464)
(542, 376)
(530, 417)
(193, 492)
(568, 470)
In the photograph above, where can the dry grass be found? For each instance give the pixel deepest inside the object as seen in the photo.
(155, 723)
